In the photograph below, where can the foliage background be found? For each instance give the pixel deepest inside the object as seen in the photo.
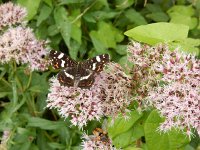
(83, 29)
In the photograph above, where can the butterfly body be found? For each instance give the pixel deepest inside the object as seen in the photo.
(77, 74)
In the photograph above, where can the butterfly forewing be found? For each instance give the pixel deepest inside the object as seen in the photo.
(60, 60)
(97, 63)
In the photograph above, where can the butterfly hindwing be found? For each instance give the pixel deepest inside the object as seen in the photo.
(60, 60)
(66, 76)
(97, 63)
(86, 78)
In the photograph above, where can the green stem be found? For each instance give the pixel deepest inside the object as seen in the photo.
(29, 80)
(79, 16)
(6, 82)
(15, 96)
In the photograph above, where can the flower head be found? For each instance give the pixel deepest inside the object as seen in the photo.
(178, 100)
(20, 44)
(11, 14)
(144, 77)
(109, 95)
(169, 81)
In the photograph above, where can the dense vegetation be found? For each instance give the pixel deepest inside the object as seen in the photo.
(83, 29)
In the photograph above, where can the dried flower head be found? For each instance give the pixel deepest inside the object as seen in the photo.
(11, 14)
(170, 81)
(99, 140)
(109, 95)
(19, 44)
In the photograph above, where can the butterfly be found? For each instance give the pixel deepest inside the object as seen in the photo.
(101, 135)
(77, 74)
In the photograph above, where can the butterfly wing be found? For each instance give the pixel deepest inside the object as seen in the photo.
(97, 63)
(86, 78)
(66, 77)
(60, 60)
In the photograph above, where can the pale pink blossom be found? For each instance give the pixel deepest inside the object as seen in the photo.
(11, 14)
(19, 44)
(169, 81)
(179, 104)
(109, 95)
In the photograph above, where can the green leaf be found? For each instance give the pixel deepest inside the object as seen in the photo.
(135, 17)
(158, 32)
(42, 141)
(188, 45)
(45, 124)
(39, 83)
(55, 145)
(121, 49)
(32, 7)
(183, 15)
(155, 140)
(53, 30)
(63, 24)
(48, 2)
(75, 49)
(181, 9)
(44, 14)
(158, 17)
(76, 33)
(100, 41)
(122, 125)
(122, 4)
(124, 139)
(186, 20)
(96, 16)
(154, 8)
(65, 2)
(132, 148)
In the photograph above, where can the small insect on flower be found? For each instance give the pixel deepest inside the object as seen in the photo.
(99, 140)
(77, 74)
(101, 135)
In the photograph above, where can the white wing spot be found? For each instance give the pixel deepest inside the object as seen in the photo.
(93, 66)
(98, 58)
(85, 77)
(62, 63)
(60, 56)
(69, 75)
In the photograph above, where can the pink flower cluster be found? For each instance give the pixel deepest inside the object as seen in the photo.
(19, 43)
(109, 95)
(171, 83)
(179, 100)
(11, 14)
(144, 77)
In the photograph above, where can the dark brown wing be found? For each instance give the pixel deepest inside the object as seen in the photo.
(97, 63)
(87, 80)
(60, 60)
(66, 77)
